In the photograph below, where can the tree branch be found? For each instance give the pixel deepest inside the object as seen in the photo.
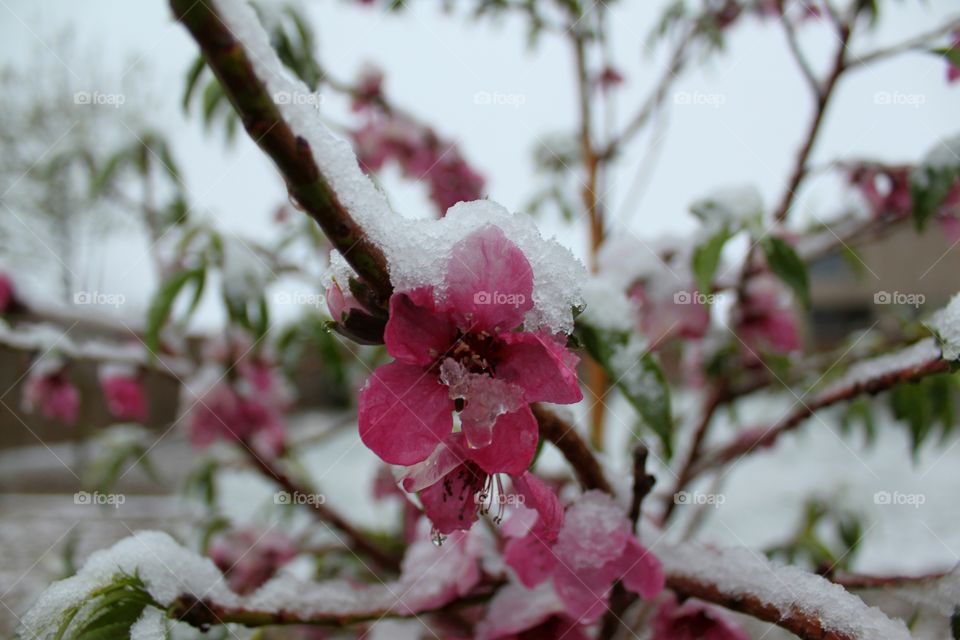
(327, 514)
(261, 118)
(882, 381)
(565, 438)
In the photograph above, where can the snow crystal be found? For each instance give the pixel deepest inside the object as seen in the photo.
(729, 208)
(742, 572)
(606, 306)
(417, 250)
(152, 625)
(946, 324)
(860, 373)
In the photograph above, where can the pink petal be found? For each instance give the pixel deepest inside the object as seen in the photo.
(693, 620)
(642, 571)
(125, 398)
(595, 531)
(513, 444)
(542, 367)
(531, 558)
(489, 282)
(432, 576)
(585, 591)
(404, 413)
(442, 460)
(540, 497)
(451, 503)
(515, 609)
(416, 332)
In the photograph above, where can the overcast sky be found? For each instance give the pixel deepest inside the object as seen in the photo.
(435, 63)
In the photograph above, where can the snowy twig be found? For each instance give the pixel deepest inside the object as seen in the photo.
(326, 513)
(565, 438)
(230, 61)
(922, 359)
(862, 581)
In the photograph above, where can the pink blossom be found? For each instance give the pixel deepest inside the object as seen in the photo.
(518, 613)
(6, 293)
(693, 620)
(441, 573)
(250, 557)
(49, 391)
(462, 354)
(670, 311)
(585, 555)
(886, 189)
(125, 398)
(421, 155)
(245, 404)
(767, 322)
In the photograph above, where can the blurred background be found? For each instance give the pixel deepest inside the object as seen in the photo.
(102, 147)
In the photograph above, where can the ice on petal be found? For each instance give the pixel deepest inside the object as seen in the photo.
(486, 399)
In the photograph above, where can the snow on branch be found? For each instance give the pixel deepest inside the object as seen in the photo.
(870, 376)
(385, 249)
(154, 571)
(804, 603)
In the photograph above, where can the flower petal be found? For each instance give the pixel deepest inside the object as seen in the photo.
(404, 413)
(542, 367)
(451, 503)
(531, 559)
(643, 572)
(489, 282)
(417, 333)
(595, 531)
(513, 444)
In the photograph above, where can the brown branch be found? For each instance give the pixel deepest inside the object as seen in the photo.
(863, 581)
(565, 438)
(714, 398)
(262, 119)
(743, 445)
(804, 625)
(823, 99)
(327, 514)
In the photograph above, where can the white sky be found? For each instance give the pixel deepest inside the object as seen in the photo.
(436, 63)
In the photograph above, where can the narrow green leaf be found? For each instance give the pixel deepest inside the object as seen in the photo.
(162, 304)
(706, 259)
(788, 266)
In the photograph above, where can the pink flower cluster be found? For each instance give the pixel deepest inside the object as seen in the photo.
(767, 322)
(667, 312)
(421, 154)
(249, 557)
(50, 392)
(124, 395)
(245, 404)
(463, 354)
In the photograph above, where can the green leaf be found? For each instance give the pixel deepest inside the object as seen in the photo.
(788, 266)
(193, 76)
(952, 55)
(636, 373)
(706, 259)
(930, 183)
(162, 303)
